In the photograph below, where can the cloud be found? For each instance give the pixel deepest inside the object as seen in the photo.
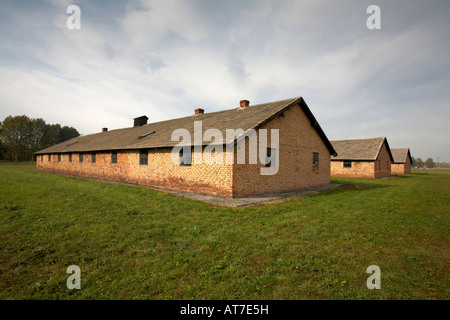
(166, 58)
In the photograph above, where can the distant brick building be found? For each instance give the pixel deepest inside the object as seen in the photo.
(142, 154)
(402, 161)
(362, 158)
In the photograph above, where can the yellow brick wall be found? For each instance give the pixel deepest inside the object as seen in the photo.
(401, 168)
(384, 161)
(215, 179)
(359, 169)
(298, 140)
(408, 166)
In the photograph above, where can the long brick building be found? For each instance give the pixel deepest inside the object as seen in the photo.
(142, 154)
(362, 158)
(402, 161)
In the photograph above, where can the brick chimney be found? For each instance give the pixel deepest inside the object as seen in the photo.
(140, 121)
(244, 103)
(104, 129)
(199, 111)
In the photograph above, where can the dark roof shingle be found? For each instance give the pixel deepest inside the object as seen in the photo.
(400, 155)
(359, 149)
(252, 117)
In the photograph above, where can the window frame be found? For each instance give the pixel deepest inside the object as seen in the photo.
(347, 163)
(80, 157)
(182, 158)
(59, 157)
(49, 157)
(93, 157)
(315, 161)
(113, 157)
(70, 157)
(143, 157)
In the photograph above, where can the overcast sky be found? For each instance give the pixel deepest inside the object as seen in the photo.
(166, 58)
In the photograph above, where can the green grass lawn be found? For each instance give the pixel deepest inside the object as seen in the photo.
(136, 243)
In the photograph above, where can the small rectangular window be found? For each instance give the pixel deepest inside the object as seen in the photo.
(114, 157)
(80, 157)
(42, 157)
(143, 157)
(93, 157)
(59, 157)
(49, 157)
(185, 157)
(347, 164)
(315, 159)
(70, 157)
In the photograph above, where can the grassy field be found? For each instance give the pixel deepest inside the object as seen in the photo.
(136, 243)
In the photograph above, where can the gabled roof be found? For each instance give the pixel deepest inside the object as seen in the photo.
(359, 149)
(400, 155)
(158, 134)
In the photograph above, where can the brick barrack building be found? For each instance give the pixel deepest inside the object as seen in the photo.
(402, 161)
(362, 158)
(142, 154)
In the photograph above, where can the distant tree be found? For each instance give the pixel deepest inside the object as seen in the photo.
(37, 129)
(2, 150)
(2, 147)
(429, 163)
(21, 136)
(33, 143)
(419, 163)
(67, 133)
(51, 135)
(55, 134)
(14, 134)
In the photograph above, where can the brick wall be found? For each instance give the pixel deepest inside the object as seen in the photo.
(298, 140)
(408, 166)
(401, 168)
(359, 169)
(383, 163)
(398, 168)
(160, 172)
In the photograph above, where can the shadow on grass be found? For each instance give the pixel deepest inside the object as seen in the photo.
(18, 163)
(353, 188)
(359, 185)
(403, 176)
(420, 174)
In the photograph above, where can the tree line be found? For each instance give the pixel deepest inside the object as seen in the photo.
(21, 136)
(429, 163)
